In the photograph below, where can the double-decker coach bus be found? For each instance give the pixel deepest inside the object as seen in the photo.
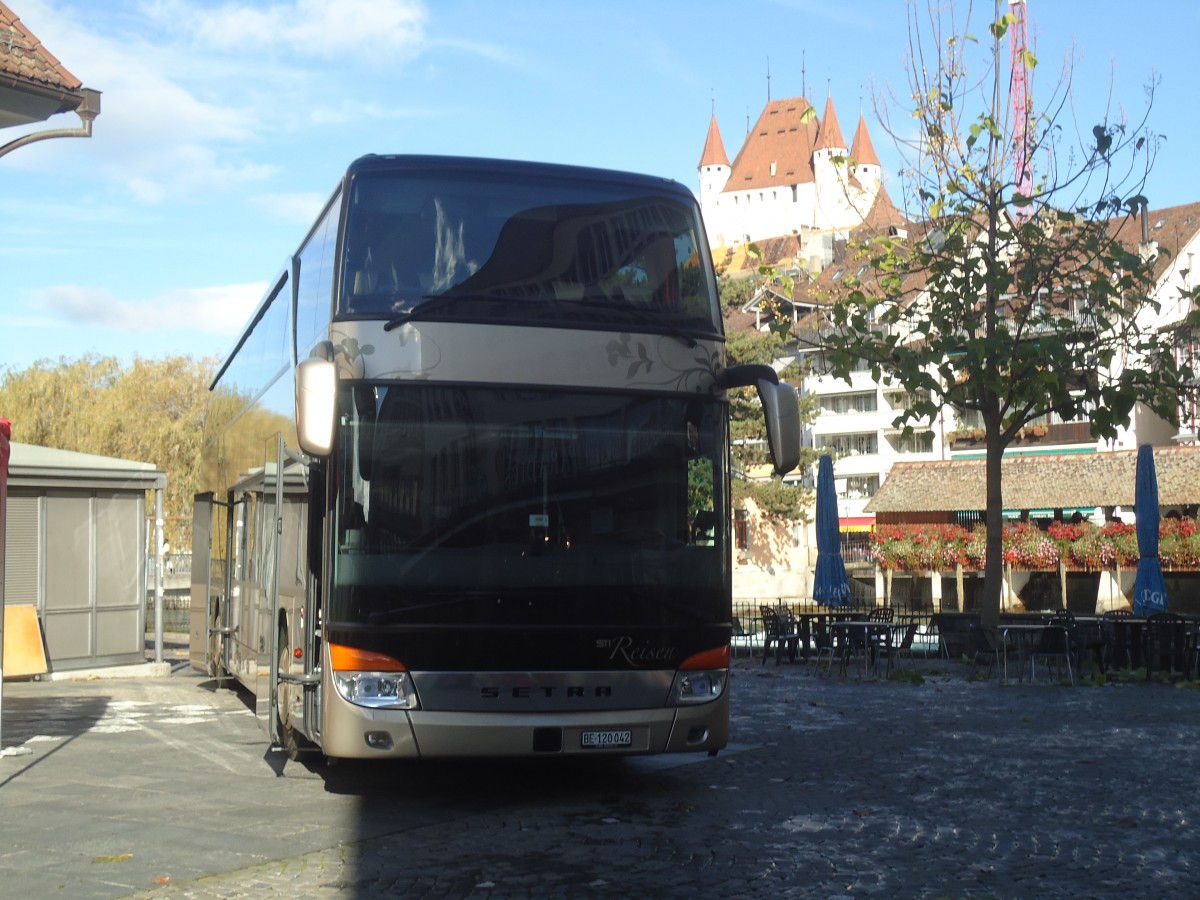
(467, 476)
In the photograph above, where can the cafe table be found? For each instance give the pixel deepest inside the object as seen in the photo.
(851, 634)
(1024, 636)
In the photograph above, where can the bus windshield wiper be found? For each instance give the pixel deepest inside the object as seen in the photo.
(430, 303)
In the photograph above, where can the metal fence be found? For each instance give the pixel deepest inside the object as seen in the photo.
(748, 631)
(177, 593)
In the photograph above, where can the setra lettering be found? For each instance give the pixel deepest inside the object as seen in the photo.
(546, 692)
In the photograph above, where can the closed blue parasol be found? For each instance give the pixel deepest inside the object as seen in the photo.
(1149, 590)
(830, 584)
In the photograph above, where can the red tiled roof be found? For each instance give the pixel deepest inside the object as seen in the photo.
(783, 138)
(714, 148)
(1171, 228)
(1052, 481)
(830, 135)
(23, 56)
(863, 151)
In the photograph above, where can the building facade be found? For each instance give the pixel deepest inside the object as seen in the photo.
(795, 175)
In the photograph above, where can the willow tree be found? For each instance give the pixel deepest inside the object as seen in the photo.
(1013, 297)
(148, 410)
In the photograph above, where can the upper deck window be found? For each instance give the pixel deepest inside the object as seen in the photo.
(546, 251)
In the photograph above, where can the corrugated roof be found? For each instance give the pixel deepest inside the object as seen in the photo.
(1052, 481)
(29, 456)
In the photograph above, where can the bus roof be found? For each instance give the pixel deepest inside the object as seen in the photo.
(400, 162)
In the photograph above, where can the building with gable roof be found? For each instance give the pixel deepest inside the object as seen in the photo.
(855, 419)
(34, 86)
(794, 176)
(77, 548)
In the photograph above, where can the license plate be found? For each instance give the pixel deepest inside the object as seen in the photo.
(606, 738)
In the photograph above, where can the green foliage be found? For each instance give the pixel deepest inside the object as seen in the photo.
(775, 498)
(778, 501)
(1011, 305)
(736, 292)
(151, 411)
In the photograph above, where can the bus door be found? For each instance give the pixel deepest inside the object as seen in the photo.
(211, 622)
(266, 613)
(201, 616)
(287, 681)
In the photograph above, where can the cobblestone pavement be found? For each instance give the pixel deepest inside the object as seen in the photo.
(831, 788)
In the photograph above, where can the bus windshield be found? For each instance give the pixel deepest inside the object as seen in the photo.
(497, 503)
(472, 246)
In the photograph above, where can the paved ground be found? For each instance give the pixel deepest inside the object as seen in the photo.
(833, 788)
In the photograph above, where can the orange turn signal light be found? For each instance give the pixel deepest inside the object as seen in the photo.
(351, 659)
(716, 658)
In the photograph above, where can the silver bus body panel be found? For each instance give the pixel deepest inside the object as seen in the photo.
(541, 691)
(513, 354)
(422, 733)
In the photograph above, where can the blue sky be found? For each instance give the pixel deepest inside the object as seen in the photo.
(225, 125)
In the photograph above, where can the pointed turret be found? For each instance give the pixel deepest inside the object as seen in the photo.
(833, 209)
(714, 148)
(863, 151)
(714, 176)
(830, 135)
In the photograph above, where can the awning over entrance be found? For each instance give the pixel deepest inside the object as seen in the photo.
(856, 523)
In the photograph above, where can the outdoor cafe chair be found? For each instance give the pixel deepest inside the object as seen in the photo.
(933, 634)
(877, 642)
(901, 645)
(1055, 642)
(1084, 637)
(779, 627)
(1193, 651)
(1165, 646)
(989, 644)
(740, 637)
(1118, 653)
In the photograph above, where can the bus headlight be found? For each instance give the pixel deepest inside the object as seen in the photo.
(701, 677)
(380, 690)
(372, 679)
(698, 686)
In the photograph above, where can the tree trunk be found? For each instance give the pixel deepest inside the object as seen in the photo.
(993, 570)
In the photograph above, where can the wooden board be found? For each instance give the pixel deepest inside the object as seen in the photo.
(24, 652)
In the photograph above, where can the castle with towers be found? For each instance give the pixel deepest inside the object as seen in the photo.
(796, 176)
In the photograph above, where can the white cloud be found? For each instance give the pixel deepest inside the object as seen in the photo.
(193, 91)
(217, 310)
(300, 208)
(375, 32)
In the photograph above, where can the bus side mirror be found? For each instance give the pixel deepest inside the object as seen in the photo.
(781, 407)
(316, 405)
